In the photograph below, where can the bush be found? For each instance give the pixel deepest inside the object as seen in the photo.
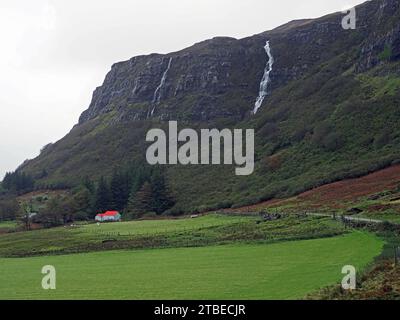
(386, 54)
(333, 142)
(382, 139)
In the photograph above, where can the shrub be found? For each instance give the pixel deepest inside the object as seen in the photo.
(386, 54)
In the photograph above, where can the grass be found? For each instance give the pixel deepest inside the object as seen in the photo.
(208, 230)
(163, 226)
(6, 226)
(388, 215)
(381, 86)
(287, 270)
(379, 281)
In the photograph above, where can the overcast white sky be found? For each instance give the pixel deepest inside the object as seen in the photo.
(53, 53)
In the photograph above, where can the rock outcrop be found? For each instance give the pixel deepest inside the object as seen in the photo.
(220, 78)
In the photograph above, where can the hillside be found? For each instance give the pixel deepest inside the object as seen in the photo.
(376, 196)
(331, 113)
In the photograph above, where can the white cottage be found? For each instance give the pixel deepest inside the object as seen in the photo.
(109, 216)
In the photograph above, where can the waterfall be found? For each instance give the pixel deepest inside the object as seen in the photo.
(157, 93)
(265, 80)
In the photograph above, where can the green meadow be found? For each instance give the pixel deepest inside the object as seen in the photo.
(282, 270)
(208, 230)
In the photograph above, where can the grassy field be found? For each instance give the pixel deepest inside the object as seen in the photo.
(287, 270)
(6, 226)
(164, 226)
(213, 229)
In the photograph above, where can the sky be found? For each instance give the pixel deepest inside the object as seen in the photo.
(54, 53)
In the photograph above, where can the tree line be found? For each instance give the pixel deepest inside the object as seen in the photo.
(18, 182)
(134, 191)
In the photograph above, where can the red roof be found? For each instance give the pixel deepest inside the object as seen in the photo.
(108, 214)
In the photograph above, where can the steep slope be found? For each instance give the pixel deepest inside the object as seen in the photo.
(375, 195)
(332, 111)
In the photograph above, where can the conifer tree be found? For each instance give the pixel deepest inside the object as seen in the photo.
(140, 202)
(120, 190)
(103, 196)
(162, 200)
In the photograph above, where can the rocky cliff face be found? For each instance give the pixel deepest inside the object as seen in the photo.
(220, 78)
(193, 80)
(382, 33)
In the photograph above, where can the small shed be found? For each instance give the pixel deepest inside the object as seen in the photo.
(108, 216)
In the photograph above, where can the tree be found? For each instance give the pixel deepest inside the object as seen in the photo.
(320, 132)
(139, 175)
(52, 215)
(9, 209)
(120, 189)
(140, 202)
(89, 185)
(18, 182)
(152, 196)
(162, 200)
(25, 215)
(67, 209)
(103, 199)
(82, 202)
(382, 139)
